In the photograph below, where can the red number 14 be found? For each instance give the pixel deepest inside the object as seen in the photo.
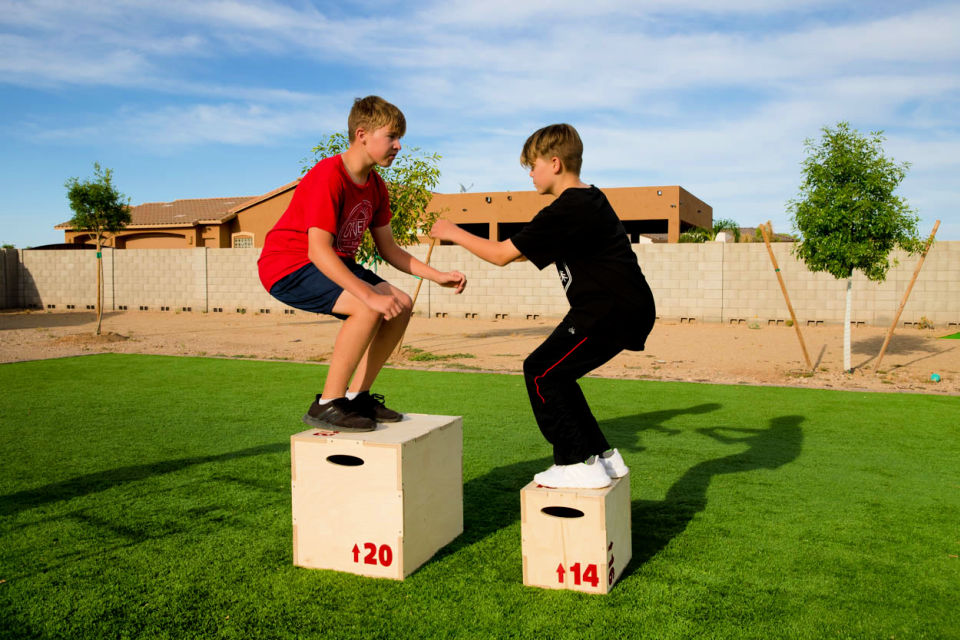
(589, 575)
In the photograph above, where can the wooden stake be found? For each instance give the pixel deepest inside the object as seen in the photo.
(420, 282)
(783, 287)
(417, 292)
(903, 303)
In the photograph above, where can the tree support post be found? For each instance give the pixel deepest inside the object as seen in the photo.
(906, 295)
(416, 292)
(766, 230)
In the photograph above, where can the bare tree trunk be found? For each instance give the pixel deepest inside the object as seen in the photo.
(846, 326)
(99, 287)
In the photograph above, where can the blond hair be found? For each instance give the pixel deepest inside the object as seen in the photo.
(373, 112)
(560, 140)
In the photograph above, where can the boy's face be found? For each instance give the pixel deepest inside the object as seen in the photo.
(544, 174)
(382, 145)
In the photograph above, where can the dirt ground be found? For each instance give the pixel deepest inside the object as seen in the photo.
(742, 354)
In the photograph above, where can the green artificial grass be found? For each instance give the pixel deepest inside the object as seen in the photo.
(149, 497)
(952, 336)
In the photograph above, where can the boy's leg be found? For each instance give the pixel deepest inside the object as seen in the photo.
(383, 343)
(352, 342)
(551, 373)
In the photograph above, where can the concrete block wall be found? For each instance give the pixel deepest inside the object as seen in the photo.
(515, 291)
(61, 280)
(158, 279)
(752, 292)
(233, 282)
(711, 282)
(686, 279)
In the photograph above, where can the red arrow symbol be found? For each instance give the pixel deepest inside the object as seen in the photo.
(560, 573)
(356, 553)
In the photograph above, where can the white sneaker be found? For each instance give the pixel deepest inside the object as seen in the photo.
(583, 475)
(613, 464)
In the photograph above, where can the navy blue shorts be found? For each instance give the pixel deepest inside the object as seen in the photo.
(308, 289)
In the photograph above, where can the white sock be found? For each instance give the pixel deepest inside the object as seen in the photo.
(353, 394)
(322, 401)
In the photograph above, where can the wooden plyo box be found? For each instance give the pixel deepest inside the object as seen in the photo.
(378, 503)
(577, 539)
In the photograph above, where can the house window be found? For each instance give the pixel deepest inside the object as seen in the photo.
(242, 240)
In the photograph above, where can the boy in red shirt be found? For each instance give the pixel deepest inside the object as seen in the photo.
(611, 306)
(307, 262)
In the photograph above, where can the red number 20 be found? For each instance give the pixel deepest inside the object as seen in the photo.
(383, 554)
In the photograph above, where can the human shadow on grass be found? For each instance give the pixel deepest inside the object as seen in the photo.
(656, 522)
(102, 480)
(616, 429)
(492, 501)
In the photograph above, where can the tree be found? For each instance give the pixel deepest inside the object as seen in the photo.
(699, 234)
(100, 209)
(847, 214)
(409, 180)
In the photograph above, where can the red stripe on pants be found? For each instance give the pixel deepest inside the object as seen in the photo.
(537, 384)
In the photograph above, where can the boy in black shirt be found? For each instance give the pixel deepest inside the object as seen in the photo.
(611, 305)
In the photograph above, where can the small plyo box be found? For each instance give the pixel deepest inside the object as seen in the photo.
(377, 503)
(576, 539)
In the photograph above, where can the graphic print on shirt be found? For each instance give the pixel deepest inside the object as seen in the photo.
(565, 276)
(352, 228)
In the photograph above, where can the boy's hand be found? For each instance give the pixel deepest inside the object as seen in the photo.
(453, 280)
(442, 229)
(387, 305)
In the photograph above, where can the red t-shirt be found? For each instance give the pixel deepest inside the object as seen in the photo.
(329, 199)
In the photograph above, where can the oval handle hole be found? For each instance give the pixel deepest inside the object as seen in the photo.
(345, 460)
(562, 512)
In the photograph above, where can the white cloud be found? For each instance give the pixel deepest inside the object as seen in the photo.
(715, 96)
(200, 124)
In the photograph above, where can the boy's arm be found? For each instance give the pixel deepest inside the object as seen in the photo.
(320, 252)
(499, 253)
(402, 260)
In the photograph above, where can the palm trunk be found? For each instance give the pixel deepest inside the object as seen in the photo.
(846, 327)
(99, 287)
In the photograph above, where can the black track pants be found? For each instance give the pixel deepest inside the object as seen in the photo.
(551, 373)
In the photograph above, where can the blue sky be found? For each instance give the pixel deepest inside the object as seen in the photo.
(212, 98)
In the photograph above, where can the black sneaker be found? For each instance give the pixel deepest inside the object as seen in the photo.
(371, 405)
(337, 414)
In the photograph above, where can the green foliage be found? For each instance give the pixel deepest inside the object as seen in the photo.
(847, 213)
(699, 234)
(726, 224)
(696, 234)
(7, 245)
(420, 355)
(99, 208)
(97, 205)
(410, 181)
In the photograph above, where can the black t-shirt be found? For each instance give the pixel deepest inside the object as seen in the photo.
(582, 235)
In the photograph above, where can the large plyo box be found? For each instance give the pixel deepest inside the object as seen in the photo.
(379, 503)
(577, 539)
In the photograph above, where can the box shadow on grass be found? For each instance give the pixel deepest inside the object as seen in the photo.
(102, 480)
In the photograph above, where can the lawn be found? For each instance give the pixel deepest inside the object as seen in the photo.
(149, 497)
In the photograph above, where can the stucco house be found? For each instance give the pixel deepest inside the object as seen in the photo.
(649, 214)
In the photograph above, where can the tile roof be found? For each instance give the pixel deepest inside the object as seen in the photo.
(181, 212)
(258, 199)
